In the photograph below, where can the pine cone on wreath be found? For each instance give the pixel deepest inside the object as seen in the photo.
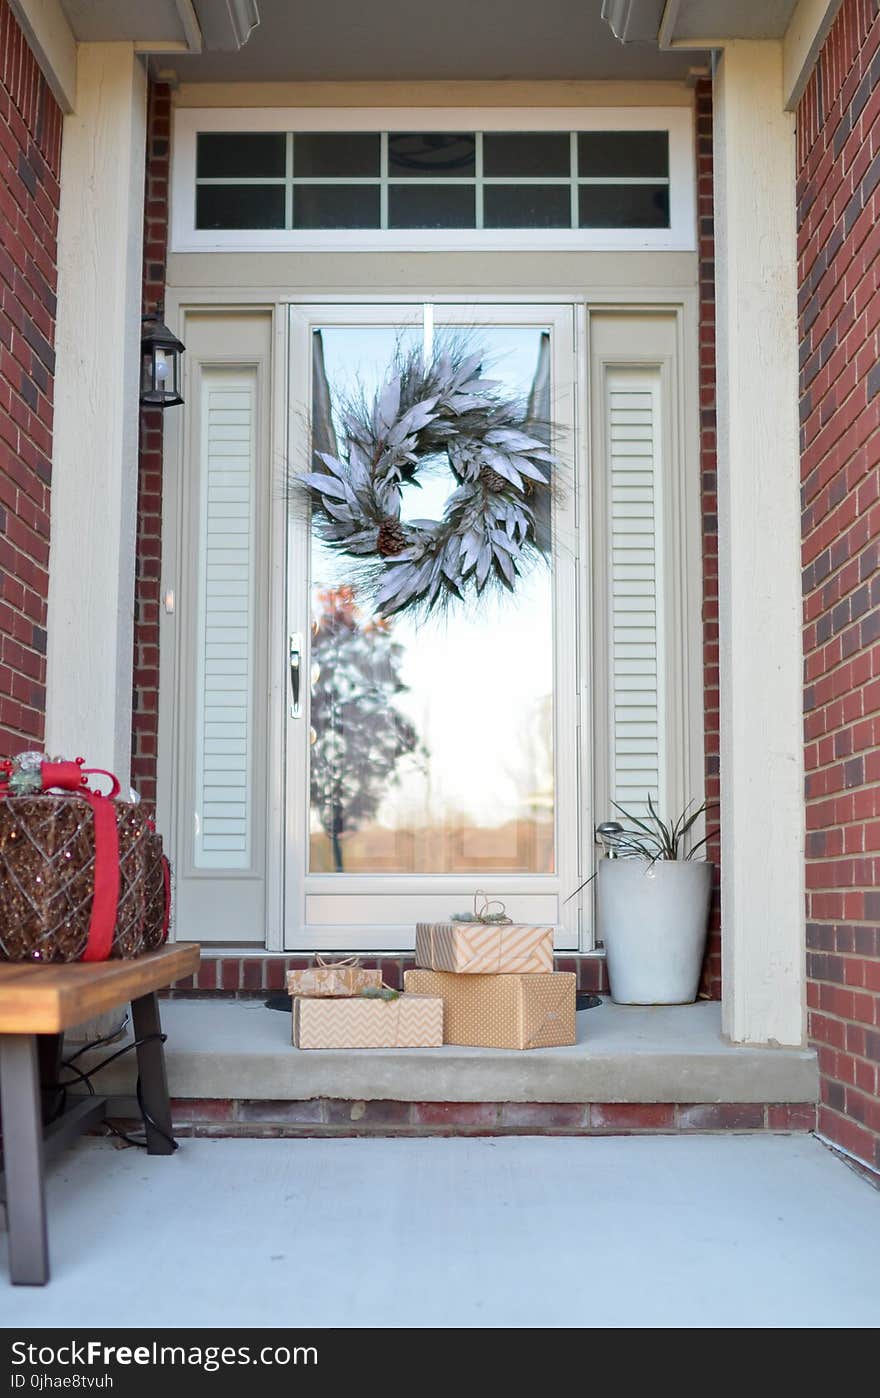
(492, 479)
(392, 538)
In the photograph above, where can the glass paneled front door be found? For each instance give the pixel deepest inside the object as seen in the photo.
(430, 756)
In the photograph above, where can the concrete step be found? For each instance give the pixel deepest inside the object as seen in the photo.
(237, 1050)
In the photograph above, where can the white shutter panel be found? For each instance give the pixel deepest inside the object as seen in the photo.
(634, 586)
(224, 716)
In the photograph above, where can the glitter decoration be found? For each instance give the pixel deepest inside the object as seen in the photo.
(47, 874)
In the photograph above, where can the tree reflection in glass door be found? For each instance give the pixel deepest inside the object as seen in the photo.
(432, 742)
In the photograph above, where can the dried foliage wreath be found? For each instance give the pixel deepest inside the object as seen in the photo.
(491, 528)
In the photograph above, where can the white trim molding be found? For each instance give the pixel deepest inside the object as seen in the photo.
(762, 803)
(806, 33)
(189, 121)
(44, 25)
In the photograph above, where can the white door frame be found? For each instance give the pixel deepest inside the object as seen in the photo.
(596, 293)
(572, 605)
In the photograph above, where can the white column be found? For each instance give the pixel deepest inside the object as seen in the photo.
(762, 814)
(94, 469)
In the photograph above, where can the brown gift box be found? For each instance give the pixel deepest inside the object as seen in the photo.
(364, 1022)
(507, 1011)
(478, 948)
(327, 978)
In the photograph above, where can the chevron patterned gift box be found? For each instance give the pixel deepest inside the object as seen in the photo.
(513, 1012)
(479, 948)
(410, 1021)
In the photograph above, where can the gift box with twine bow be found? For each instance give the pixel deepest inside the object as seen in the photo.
(483, 942)
(332, 979)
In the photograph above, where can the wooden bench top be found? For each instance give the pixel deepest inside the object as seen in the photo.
(37, 999)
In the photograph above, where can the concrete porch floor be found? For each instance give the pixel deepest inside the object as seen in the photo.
(699, 1231)
(239, 1049)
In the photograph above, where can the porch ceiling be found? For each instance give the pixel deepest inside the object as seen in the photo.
(345, 40)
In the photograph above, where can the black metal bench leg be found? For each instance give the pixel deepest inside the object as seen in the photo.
(50, 1051)
(23, 1160)
(154, 1080)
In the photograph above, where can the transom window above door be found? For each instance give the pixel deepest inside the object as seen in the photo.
(320, 179)
(432, 179)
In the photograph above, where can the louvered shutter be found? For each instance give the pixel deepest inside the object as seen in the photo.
(634, 587)
(224, 718)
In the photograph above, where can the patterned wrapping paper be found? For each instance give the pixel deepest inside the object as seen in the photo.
(331, 979)
(480, 948)
(411, 1021)
(506, 1011)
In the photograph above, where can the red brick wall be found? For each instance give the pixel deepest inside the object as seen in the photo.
(145, 702)
(30, 160)
(709, 510)
(838, 194)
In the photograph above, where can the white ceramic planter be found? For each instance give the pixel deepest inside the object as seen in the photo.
(653, 920)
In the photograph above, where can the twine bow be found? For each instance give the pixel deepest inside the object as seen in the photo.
(343, 961)
(484, 913)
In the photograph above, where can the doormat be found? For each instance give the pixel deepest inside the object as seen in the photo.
(280, 1002)
(584, 1001)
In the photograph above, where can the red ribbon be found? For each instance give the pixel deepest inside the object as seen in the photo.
(73, 776)
(68, 776)
(105, 900)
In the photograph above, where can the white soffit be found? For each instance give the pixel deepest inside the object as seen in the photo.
(693, 20)
(158, 26)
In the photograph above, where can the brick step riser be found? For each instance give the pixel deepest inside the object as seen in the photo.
(264, 975)
(336, 1117)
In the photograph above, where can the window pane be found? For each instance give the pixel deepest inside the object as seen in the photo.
(526, 153)
(624, 206)
(240, 206)
(527, 206)
(242, 155)
(336, 206)
(623, 153)
(409, 771)
(332, 154)
(431, 206)
(438, 154)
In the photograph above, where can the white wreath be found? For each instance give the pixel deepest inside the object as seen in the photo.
(489, 531)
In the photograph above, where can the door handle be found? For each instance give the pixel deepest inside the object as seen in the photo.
(295, 658)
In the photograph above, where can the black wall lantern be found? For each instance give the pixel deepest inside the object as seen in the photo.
(160, 364)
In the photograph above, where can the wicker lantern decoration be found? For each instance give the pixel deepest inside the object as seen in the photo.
(82, 875)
